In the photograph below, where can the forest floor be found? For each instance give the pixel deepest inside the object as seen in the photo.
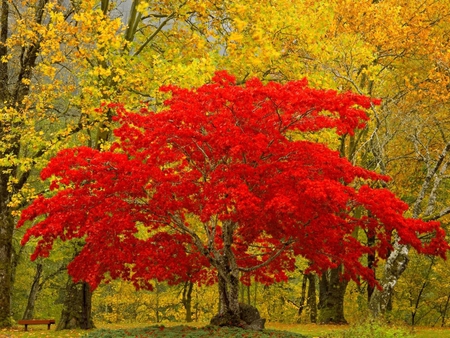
(175, 330)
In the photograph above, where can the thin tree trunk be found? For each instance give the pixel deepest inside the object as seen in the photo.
(196, 306)
(415, 307)
(255, 294)
(76, 313)
(36, 287)
(242, 292)
(302, 299)
(34, 291)
(444, 312)
(158, 319)
(311, 300)
(6, 236)
(371, 265)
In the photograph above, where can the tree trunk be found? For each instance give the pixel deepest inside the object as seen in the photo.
(231, 312)
(187, 300)
(415, 303)
(34, 291)
(157, 318)
(396, 263)
(395, 266)
(228, 274)
(444, 311)
(229, 297)
(12, 96)
(6, 237)
(331, 297)
(311, 301)
(15, 259)
(371, 265)
(301, 302)
(76, 313)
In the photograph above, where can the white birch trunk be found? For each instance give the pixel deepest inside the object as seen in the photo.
(398, 259)
(395, 266)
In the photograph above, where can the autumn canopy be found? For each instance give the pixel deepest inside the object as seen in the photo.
(222, 185)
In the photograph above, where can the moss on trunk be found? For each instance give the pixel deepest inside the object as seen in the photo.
(76, 313)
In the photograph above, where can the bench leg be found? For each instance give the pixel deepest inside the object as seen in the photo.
(48, 326)
(26, 327)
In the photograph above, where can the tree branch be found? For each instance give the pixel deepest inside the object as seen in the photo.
(24, 177)
(151, 37)
(436, 216)
(4, 94)
(427, 181)
(270, 259)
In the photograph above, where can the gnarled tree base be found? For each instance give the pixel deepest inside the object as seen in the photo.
(249, 318)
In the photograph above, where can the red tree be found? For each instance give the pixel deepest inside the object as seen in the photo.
(223, 181)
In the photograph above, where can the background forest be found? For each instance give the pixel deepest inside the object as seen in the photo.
(62, 60)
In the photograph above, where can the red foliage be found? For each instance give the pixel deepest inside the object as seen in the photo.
(222, 153)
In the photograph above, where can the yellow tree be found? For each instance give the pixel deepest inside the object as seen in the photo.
(21, 29)
(38, 111)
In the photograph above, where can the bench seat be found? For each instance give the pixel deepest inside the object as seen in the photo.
(27, 322)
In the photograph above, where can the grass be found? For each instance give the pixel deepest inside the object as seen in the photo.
(192, 332)
(175, 330)
(427, 332)
(309, 330)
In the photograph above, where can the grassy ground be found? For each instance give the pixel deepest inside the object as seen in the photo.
(175, 330)
(427, 332)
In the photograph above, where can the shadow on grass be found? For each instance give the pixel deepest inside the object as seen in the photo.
(190, 332)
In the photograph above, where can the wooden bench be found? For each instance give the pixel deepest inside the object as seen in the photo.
(27, 322)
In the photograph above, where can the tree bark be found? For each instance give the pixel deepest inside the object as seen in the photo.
(12, 94)
(371, 265)
(301, 302)
(187, 300)
(36, 287)
(34, 291)
(157, 317)
(331, 297)
(4, 30)
(6, 221)
(398, 259)
(6, 237)
(228, 274)
(76, 313)
(395, 266)
(311, 300)
(229, 297)
(444, 311)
